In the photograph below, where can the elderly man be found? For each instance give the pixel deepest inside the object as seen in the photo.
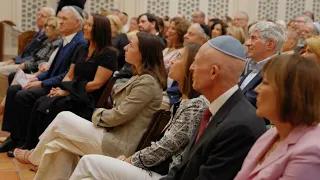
(149, 23)
(20, 100)
(198, 17)
(291, 42)
(228, 129)
(241, 19)
(265, 41)
(11, 65)
(196, 34)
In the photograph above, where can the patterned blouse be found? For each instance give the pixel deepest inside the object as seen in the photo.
(176, 137)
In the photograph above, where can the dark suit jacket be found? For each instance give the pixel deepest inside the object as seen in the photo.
(34, 45)
(59, 67)
(248, 91)
(224, 144)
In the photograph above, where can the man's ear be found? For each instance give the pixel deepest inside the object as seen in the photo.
(214, 72)
(271, 44)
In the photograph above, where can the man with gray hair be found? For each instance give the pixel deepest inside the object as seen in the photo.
(9, 66)
(241, 19)
(198, 17)
(20, 100)
(265, 41)
(196, 34)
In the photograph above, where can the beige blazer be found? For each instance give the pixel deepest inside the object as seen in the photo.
(134, 104)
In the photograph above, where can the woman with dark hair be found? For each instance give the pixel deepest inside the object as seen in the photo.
(170, 149)
(81, 87)
(218, 28)
(112, 132)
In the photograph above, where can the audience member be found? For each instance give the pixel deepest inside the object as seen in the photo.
(171, 148)
(196, 34)
(226, 133)
(149, 23)
(265, 41)
(313, 48)
(81, 88)
(290, 43)
(237, 33)
(43, 57)
(212, 21)
(241, 19)
(309, 14)
(299, 24)
(20, 100)
(9, 66)
(218, 28)
(178, 28)
(198, 17)
(227, 20)
(285, 97)
(124, 20)
(134, 27)
(309, 30)
(115, 131)
(119, 39)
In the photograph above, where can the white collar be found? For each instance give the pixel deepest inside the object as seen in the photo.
(68, 39)
(217, 104)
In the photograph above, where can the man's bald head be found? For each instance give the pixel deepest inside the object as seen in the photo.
(217, 67)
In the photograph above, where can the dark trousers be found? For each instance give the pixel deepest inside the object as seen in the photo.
(18, 108)
(43, 113)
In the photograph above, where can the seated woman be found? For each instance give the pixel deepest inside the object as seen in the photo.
(112, 132)
(175, 36)
(312, 49)
(81, 87)
(237, 32)
(170, 148)
(45, 54)
(288, 97)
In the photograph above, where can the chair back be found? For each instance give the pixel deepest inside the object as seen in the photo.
(104, 100)
(158, 123)
(24, 39)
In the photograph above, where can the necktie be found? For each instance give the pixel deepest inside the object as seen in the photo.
(204, 121)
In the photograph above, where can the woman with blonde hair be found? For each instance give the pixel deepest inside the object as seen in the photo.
(313, 48)
(237, 33)
(43, 57)
(119, 38)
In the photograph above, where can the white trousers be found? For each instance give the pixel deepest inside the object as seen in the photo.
(6, 70)
(103, 167)
(66, 138)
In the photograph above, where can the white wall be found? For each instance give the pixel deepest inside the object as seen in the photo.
(277, 9)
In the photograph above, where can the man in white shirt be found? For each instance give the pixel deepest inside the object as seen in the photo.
(265, 41)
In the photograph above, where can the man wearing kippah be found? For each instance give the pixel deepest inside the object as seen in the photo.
(229, 127)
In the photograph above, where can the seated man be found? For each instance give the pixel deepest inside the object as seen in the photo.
(9, 66)
(20, 100)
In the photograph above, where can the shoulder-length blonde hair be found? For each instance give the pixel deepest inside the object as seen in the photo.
(117, 22)
(314, 45)
(56, 22)
(296, 80)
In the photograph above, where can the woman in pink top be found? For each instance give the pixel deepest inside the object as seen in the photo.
(289, 97)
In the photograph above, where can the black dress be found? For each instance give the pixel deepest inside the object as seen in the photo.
(78, 101)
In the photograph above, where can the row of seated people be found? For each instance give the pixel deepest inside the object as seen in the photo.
(226, 138)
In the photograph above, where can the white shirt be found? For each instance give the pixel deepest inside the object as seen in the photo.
(219, 102)
(254, 72)
(68, 39)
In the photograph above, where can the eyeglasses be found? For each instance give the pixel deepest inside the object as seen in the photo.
(50, 26)
(42, 15)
